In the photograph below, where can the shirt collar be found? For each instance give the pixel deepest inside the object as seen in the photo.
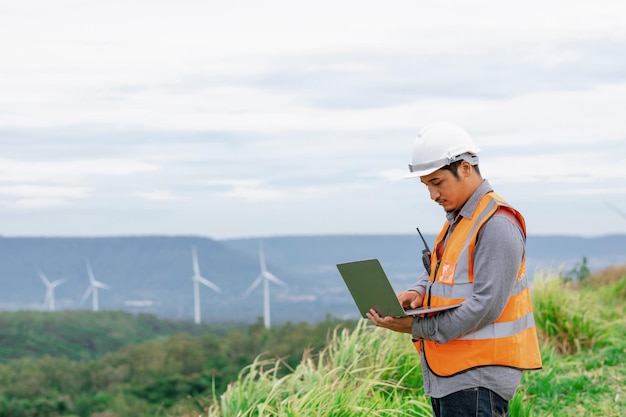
(470, 205)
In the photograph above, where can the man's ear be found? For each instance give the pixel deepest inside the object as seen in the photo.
(466, 169)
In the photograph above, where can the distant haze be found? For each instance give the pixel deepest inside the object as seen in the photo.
(152, 274)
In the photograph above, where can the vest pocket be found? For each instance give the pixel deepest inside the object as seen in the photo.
(447, 273)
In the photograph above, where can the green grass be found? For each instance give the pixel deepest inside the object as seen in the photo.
(589, 384)
(345, 379)
(374, 372)
(583, 335)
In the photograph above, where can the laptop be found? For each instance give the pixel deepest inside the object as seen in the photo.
(370, 288)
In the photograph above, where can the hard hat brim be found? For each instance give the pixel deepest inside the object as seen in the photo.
(421, 173)
(429, 168)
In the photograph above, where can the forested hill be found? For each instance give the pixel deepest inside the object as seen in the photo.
(152, 274)
(84, 335)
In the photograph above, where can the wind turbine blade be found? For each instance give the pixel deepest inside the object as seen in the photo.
(102, 285)
(274, 279)
(262, 257)
(208, 283)
(92, 277)
(87, 293)
(616, 209)
(194, 257)
(255, 284)
(56, 283)
(43, 277)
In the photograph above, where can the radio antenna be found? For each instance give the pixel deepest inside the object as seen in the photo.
(423, 240)
(425, 253)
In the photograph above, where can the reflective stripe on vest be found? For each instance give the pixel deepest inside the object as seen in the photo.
(511, 340)
(502, 329)
(464, 291)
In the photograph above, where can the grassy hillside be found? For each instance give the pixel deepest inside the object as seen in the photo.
(373, 372)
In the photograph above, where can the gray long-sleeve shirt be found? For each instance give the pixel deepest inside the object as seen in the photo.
(497, 258)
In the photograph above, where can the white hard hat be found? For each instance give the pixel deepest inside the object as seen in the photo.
(438, 145)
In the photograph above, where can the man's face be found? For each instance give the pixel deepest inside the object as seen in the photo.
(446, 190)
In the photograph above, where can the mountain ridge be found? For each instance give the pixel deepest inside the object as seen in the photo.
(153, 273)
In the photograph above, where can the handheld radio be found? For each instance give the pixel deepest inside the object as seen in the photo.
(425, 253)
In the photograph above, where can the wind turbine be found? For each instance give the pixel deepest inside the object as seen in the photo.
(616, 209)
(93, 288)
(265, 276)
(197, 280)
(48, 301)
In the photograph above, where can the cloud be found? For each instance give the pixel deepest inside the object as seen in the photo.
(378, 80)
(605, 190)
(45, 191)
(245, 189)
(257, 190)
(233, 183)
(60, 171)
(255, 194)
(274, 74)
(225, 104)
(41, 196)
(394, 174)
(156, 195)
(39, 203)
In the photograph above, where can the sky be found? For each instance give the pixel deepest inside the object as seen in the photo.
(230, 119)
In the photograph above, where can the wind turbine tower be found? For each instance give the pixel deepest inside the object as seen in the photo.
(265, 276)
(197, 280)
(48, 301)
(94, 285)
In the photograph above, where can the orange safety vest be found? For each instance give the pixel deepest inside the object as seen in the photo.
(511, 340)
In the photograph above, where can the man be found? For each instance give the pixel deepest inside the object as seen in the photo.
(472, 356)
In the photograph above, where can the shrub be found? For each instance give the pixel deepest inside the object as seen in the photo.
(568, 319)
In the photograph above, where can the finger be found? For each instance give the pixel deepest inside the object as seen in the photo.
(372, 315)
(417, 301)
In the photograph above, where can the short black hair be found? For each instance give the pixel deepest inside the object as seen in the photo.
(454, 168)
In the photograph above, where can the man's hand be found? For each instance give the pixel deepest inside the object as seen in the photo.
(411, 299)
(402, 324)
